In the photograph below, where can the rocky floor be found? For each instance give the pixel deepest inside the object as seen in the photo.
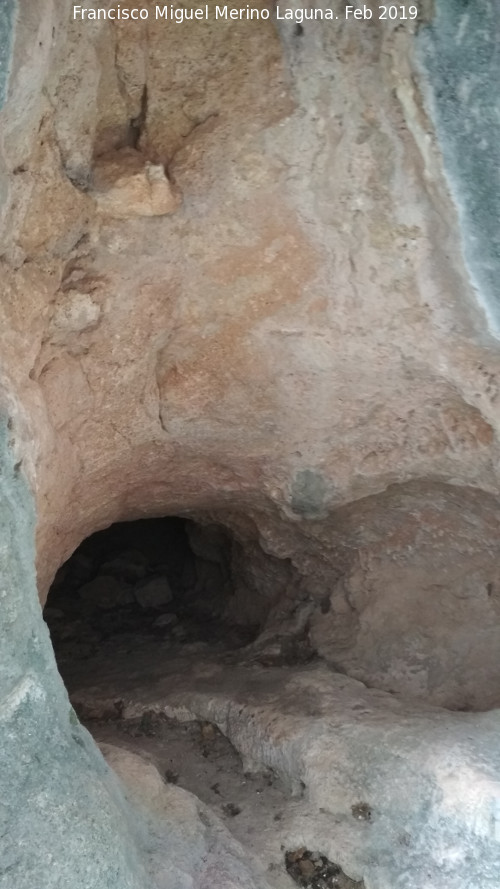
(126, 606)
(256, 805)
(302, 764)
(197, 757)
(318, 780)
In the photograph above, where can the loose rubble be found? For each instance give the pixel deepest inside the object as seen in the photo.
(311, 869)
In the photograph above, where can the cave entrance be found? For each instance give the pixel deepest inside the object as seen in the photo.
(168, 605)
(168, 580)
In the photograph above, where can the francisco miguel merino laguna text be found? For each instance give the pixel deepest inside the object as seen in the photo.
(201, 13)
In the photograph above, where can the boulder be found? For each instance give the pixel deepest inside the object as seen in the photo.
(153, 593)
(127, 184)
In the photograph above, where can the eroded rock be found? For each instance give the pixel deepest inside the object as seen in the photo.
(126, 184)
(430, 779)
(303, 337)
(189, 846)
(153, 593)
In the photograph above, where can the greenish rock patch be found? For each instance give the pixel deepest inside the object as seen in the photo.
(62, 809)
(459, 53)
(7, 10)
(308, 493)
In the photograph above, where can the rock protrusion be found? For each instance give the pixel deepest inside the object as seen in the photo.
(126, 184)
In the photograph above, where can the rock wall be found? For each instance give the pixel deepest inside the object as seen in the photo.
(233, 283)
(6, 49)
(459, 51)
(51, 773)
(298, 334)
(233, 288)
(239, 284)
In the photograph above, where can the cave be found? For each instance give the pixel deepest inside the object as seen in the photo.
(167, 577)
(190, 586)
(249, 446)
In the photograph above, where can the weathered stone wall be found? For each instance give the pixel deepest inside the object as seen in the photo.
(299, 333)
(6, 34)
(458, 51)
(62, 809)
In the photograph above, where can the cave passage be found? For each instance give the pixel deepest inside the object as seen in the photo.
(169, 579)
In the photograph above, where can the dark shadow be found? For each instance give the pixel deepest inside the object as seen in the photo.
(167, 578)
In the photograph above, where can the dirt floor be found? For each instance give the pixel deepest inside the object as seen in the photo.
(198, 758)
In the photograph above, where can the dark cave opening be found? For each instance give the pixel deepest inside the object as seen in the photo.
(168, 579)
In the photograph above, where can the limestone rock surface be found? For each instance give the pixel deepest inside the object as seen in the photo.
(297, 353)
(62, 809)
(125, 184)
(299, 335)
(188, 847)
(153, 593)
(430, 778)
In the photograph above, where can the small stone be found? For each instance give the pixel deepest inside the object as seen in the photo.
(149, 724)
(361, 811)
(127, 184)
(154, 593)
(76, 313)
(307, 867)
(208, 731)
(231, 810)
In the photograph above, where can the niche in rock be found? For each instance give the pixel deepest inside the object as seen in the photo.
(168, 580)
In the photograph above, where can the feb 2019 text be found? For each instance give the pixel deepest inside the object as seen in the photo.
(179, 14)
